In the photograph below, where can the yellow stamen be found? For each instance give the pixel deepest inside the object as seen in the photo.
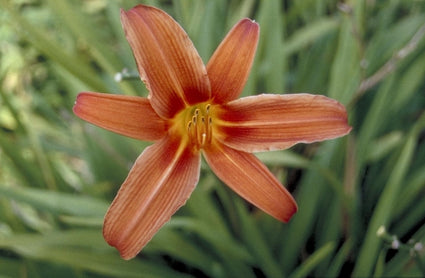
(198, 124)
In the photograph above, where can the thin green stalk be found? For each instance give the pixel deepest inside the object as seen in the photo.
(382, 215)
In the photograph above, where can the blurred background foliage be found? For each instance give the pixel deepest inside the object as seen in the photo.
(59, 174)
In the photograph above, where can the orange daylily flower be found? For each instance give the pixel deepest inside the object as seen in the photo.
(193, 110)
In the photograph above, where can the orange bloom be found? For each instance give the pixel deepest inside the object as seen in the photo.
(193, 109)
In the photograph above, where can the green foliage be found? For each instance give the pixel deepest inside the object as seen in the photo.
(58, 174)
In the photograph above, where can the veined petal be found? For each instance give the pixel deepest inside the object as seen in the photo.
(168, 62)
(159, 183)
(127, 115)
(229, 67)
(272, 122)
(251, 179)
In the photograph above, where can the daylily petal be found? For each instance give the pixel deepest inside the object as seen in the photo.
(251, 179)
(229, 67)
(272, 122)
(127, 115)
(159, 183)
(168, 62)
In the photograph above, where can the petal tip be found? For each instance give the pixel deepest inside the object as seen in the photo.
(76, 109)
(289, 212)
(285, 211)
(126, 252)
(248, 21)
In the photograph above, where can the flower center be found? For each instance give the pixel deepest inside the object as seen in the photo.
(194, 125)
(199, 125)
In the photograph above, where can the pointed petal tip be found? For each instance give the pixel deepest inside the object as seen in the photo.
(286, 209)
(127, 257)
(251, 21)
(126, 252)
(289, 212)
(76, 109)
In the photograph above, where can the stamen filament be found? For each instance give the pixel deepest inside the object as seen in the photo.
(199, 127)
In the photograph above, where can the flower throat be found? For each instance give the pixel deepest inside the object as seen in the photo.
(199, 125)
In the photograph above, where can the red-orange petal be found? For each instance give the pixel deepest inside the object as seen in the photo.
(127, 115)
(168, 62)
(272, 122)
(251, 179)
(229, 67)
(159, 183)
